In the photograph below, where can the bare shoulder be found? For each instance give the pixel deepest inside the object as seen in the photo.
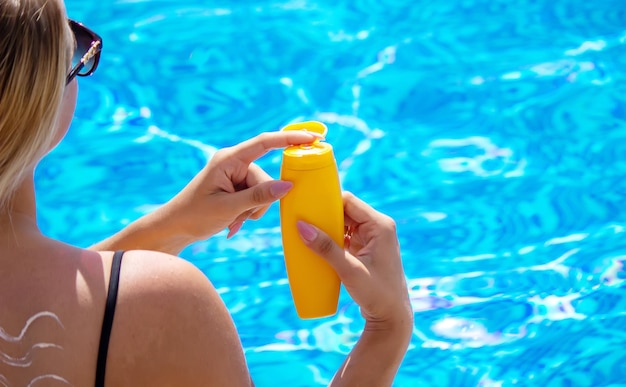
(171, 327)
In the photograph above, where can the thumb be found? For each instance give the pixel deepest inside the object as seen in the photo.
(261, 194)
(324, 246)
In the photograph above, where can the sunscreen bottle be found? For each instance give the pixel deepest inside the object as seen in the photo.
(316, 199)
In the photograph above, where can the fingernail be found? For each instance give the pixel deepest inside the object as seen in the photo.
(280, 188)
(308, 232)
(234, 229)
(314, 134)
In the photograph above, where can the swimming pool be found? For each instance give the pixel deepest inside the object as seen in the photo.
(493, 131)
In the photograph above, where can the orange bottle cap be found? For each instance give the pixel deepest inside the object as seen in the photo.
(308, 156)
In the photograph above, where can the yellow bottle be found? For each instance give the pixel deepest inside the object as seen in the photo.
(316, 199)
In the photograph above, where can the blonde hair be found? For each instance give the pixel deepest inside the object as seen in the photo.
(36, 45)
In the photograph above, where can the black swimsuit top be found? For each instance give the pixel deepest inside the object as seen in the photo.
(107, 323)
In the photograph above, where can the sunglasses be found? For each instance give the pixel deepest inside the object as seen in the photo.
(87, 52)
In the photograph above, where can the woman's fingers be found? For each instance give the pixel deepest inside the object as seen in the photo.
(251, 203)
(256, 175)
(324, 246)
(252, 149)
(259, 212)
(358, 215)
(357, 211)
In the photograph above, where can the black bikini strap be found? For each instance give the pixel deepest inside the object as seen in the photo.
(107, 323)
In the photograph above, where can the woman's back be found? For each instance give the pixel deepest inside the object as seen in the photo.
(52, 298)
(168, 319)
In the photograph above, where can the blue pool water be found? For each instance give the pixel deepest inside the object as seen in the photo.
(493, 131)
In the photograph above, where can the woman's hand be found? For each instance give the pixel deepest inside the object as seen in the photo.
(371, 270)
(226, 192)
(230, 188)
(370, 267)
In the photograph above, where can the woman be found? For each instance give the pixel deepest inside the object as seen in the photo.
(164, 322)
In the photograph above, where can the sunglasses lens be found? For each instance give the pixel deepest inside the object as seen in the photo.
(84, 41)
